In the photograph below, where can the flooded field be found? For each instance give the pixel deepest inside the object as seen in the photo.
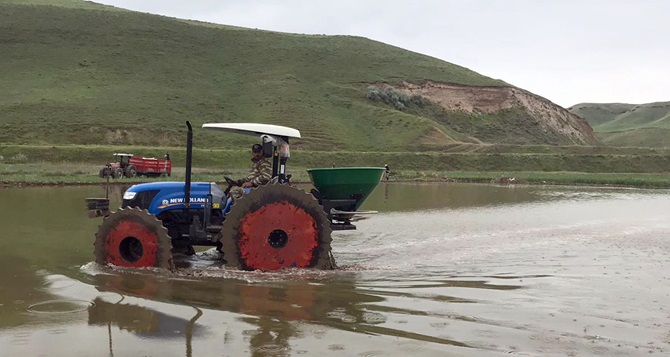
(443, 270)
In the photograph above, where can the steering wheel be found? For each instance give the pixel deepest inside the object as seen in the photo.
(231, 183)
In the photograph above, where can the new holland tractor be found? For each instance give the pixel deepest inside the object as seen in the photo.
(271, 227)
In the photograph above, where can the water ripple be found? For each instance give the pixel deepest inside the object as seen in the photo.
(60, 306)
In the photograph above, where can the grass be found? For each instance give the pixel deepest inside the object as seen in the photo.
(620, 124)
(237, 155)
(67, 173)
(512, 126)
(573, 159)
(68, 4)
(79, 73)
(75, 173)
(600, 113)
(652, 137)
(656, 115)
(570, 164)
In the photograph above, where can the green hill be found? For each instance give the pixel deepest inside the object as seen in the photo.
(76, 72)
(620, 124)
(597, 114)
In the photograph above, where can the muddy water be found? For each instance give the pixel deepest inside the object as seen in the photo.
(443, 269)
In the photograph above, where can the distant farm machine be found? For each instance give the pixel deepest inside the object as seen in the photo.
(271, 227)
(128, 165)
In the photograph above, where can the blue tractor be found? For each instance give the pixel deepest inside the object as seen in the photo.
(271, 227)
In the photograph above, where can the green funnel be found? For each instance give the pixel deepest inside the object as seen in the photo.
(339, 183)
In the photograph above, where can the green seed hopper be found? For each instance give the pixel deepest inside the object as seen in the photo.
(345, 188)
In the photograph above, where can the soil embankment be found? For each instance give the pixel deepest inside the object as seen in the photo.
(491, 100)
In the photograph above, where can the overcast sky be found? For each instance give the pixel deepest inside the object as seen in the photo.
(568, 51)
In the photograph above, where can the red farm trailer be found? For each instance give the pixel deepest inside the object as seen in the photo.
(127, 165)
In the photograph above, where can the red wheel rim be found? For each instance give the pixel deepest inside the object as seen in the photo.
(278, 235)
(122, 242)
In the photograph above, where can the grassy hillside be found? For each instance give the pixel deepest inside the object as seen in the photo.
(642, 137)
(70, 4)
(598, 114)
(75, 72)
(628, 124)
(82, 80)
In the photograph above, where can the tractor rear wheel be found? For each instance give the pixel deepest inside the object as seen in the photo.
(131, 171)
(277, 226)
(134, 238)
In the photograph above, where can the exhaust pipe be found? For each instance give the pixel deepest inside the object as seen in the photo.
(187, 190)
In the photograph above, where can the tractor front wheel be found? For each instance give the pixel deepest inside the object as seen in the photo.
(134, 238)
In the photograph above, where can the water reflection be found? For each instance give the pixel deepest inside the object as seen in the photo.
(291, 300)
(422, 196)
(143, 322)
(471, 270)
(274, 306)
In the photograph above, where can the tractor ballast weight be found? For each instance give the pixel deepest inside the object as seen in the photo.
(271, 227)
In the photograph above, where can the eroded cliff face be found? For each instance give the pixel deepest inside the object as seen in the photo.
(495, 99)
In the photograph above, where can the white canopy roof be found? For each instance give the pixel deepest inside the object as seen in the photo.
(254, 129)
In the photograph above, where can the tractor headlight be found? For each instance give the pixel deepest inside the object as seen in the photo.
(129, 195)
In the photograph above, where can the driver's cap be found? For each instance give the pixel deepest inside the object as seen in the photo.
(256, 148)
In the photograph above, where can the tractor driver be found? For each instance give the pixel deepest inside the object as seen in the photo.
(261, 172)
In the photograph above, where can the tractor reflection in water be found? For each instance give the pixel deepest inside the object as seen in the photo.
(274, 226)
(270, 311)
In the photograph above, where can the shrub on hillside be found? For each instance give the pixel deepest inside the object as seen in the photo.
(399, 100)
(374, 94)
(417, 99)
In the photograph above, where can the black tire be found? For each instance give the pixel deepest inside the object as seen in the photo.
(242, 256)
(117, 173)
(131, 171)
(102, 173)
(149, 243)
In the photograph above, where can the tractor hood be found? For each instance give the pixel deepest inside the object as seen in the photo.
(160, 196)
